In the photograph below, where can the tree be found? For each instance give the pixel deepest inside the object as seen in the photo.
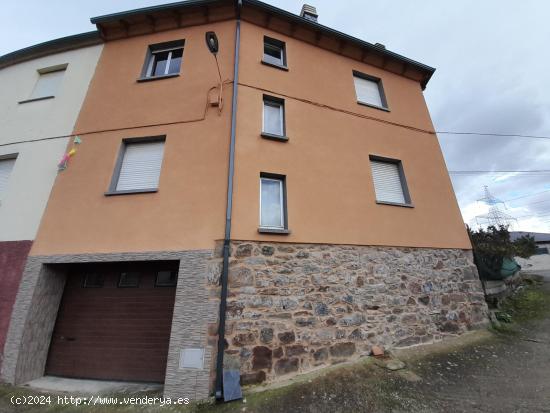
(493, 245)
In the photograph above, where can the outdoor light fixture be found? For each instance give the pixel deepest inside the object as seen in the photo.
(212, 42)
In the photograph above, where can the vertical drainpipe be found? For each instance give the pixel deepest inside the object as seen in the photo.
(227, 237)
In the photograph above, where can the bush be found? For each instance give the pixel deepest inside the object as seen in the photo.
(493, 245)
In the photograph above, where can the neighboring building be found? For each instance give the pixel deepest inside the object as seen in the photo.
(322, 194)
(541, 260)
(42, 90)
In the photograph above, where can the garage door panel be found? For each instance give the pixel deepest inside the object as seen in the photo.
(111, 332)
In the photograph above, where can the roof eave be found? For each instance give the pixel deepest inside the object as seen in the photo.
(62, 44)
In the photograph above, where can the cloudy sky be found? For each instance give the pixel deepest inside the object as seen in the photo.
(492, 76)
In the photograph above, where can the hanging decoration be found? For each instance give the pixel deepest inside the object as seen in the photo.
(64, 162)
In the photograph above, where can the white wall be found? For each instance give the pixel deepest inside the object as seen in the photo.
(35, 169)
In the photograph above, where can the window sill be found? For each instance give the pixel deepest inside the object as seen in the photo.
(273, 137)
(373, 106)
(36, 99)
(279, 231)
(282, 67)
(131, 192)
(395, 204)
(150, 78)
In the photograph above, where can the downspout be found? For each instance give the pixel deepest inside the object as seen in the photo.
(227, 237)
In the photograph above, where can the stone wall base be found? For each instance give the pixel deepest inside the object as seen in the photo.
(293, 308)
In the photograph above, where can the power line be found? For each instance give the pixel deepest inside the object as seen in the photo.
(526, 196)
(511, 135)
(473, 172)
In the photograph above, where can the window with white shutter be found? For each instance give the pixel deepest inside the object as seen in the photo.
(369, 90)
(48, 83)
(6, 166)
(138, 169)
(273, 117)
(389, 184)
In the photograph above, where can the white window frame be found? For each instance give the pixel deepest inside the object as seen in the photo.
(273, 102)
(9, 157)
(152, 60)
(276, 44)
(282, 206)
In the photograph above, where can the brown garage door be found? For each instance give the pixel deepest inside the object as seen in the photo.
(114, 322)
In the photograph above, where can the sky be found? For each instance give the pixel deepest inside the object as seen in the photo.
(492, 76)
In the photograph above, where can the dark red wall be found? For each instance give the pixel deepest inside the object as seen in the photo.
(13, 255)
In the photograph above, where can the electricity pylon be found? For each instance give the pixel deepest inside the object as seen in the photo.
(495, 217)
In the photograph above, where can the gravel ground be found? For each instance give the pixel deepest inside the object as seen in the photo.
(510, 373)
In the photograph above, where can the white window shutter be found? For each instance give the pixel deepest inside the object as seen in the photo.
(367, 91)
(140, 167)
(48, 84)
(387, 182)
(6, 166)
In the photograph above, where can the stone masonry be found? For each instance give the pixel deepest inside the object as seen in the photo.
(295, 307)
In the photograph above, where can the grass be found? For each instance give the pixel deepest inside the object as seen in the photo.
(529, 304)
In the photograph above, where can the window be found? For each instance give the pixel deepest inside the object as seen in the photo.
(369, 90)
(274, 52)
(273, 117)
(389, 181)
(128, 279)
(273, 203)
(48, 84)
(6, 165)
(93, 280)
(138, 166)
(166, 279)
(163, 59)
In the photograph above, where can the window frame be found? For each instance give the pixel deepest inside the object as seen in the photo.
(152, 51)
(157, 284)
(99, 285)
(275, 43)
(284, 210)
(274, 101)
(381, 91)
(121, 285)
(118, 166)
(9, 157)
(44, 71)
(404, 186)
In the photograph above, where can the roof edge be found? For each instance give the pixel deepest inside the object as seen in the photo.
(144, 10)
(428, 70)
(49, 47)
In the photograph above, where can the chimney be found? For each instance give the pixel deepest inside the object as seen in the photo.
(309, 12)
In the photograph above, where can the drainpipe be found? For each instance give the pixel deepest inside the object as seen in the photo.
(227, 237)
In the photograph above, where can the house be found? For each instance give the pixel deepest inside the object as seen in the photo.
(43, 87)
(541, 260)
(251, 186)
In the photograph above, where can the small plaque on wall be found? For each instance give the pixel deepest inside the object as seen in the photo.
(192, 358)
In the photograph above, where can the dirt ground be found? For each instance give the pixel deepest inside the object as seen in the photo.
(504, 370)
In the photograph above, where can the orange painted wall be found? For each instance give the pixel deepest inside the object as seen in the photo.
(188, 211)
(326, 161)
